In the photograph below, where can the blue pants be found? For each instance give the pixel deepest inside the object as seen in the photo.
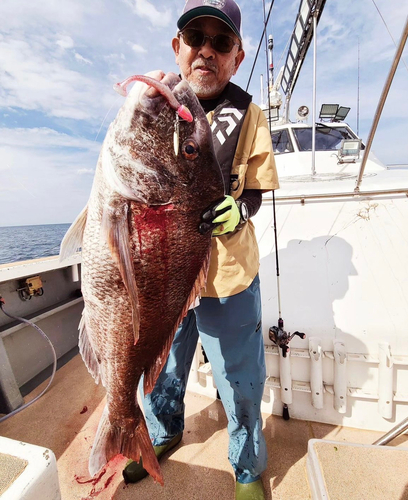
(231, 334)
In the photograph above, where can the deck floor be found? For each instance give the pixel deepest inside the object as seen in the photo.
(66, 417)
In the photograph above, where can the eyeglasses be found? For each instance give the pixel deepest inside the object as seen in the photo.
(196, 38)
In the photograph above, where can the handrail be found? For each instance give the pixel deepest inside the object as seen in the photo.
(381, 103)
(393, 433)
(360, 194)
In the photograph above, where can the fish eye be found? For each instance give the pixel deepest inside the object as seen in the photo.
(190, 149)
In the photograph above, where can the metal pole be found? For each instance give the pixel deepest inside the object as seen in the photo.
(314, 93)
(380, 106)
(287, 106)
(358, 90)
(393, 433)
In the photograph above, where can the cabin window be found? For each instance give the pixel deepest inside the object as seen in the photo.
(281, 142)
(327, 138)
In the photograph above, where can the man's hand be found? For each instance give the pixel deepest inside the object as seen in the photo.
(222, 217)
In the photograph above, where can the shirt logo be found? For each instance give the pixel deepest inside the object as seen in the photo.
(226, 124)
(218, 4)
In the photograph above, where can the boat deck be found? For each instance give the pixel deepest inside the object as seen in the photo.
(66, 417)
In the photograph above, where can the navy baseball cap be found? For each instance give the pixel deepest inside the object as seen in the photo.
(226, 10)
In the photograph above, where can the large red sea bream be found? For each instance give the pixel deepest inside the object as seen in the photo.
(144, 260)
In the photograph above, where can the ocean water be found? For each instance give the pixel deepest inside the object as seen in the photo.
(30, 242)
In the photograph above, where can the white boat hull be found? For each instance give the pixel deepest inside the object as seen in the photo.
(343, 265)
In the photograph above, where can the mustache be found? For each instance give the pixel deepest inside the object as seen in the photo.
(204, 64)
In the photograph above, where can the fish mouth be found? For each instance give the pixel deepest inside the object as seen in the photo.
(169, 79)
(152, 101)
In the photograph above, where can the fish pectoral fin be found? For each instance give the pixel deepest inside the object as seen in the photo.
(116, 228)
(129, 438)
(72, 240)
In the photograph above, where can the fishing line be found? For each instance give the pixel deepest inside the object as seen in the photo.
(284, 50)
(103, 121)
(268, 82)
(260, 43)
(17, 181)
(54, 368)
(389, 32)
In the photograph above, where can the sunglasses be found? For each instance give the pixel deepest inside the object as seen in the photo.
(196, 38)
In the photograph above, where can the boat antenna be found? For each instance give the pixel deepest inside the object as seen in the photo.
(270, 51)
(260, 42)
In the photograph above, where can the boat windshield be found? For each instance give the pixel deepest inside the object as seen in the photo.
(281, 142)
(327, 138)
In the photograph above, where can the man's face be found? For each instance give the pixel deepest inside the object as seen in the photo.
(207, 70)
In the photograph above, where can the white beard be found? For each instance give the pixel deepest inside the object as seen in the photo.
(203, 89)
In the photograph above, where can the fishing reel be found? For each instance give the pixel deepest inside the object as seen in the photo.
(282, 338)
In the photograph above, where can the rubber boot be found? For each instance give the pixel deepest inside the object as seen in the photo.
(134, 471)
(249, 491)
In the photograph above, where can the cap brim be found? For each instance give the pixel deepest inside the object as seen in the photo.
(206, 12)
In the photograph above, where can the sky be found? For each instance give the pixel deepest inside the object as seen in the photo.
(59, 60)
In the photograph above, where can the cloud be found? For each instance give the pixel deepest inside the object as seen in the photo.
(86, 171)
(28, 15)
(44, 138)
(144, 9)
(114, 57)
(47, 167)
(36, 78)
(82, 59)
(137, 48)
(249, 47)
(65, 42)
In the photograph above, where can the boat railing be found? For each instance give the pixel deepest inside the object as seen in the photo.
(302, 198)
(393, 433)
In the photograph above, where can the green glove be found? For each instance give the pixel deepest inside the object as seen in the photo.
(227, 216)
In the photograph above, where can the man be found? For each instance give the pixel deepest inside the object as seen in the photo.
(208, 50)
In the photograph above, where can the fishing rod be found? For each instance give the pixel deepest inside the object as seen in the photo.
(277, 334)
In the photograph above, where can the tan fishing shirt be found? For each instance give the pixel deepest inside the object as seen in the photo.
(235, 256)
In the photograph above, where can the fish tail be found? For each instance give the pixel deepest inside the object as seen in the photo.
(130, 440)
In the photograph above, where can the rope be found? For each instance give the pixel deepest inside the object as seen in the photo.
(54, 365)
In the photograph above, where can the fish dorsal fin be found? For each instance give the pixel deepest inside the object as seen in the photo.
(152, 372)
(116, 228)
(72, 240)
